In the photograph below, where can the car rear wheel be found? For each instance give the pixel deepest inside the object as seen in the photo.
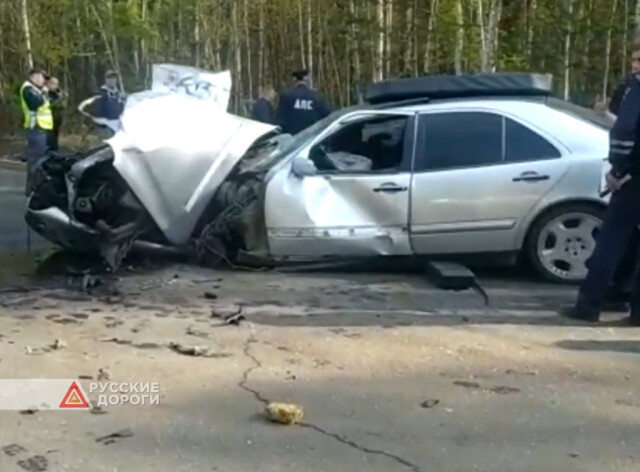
(561, 241)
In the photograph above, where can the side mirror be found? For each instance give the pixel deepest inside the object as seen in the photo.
(303, 167)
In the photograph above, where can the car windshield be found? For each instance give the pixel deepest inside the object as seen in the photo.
(585, 114)
(300, 139)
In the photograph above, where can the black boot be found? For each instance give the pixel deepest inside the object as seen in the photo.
(581, 313)
(616, 299)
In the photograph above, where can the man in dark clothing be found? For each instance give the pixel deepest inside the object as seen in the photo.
(38, 120)
(300, 106)
(57, 99)
(110, 105)
(111, 101)
(618, 294)
(262, 108)
(623, 215)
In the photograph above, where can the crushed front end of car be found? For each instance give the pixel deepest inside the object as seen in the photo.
(179, 172)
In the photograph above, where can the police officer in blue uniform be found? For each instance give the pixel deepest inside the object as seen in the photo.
(300, 106)
(623, 215)
(619, 292)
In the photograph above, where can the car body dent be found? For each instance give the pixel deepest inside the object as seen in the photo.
(174, 164)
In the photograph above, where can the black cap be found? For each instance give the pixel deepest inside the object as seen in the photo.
(301, 74)
(110, 74)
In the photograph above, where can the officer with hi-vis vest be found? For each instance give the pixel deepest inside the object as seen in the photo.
(38, 120)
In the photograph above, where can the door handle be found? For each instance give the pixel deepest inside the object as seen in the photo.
(530, 177)
(390, 187)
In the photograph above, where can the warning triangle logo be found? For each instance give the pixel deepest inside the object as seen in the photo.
(74, 398)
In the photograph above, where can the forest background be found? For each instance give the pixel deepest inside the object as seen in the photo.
(346, 44)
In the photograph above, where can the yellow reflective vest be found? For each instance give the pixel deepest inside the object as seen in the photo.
(42, 117)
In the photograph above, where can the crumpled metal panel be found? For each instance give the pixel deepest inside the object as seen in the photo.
(342, 216)
(174, 151)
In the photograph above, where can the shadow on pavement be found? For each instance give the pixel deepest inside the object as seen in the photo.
(631, 347)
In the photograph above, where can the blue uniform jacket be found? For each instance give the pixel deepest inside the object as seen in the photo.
(263, 111)
(111, 103)
(33, 98)
(299, 108)
(624, 152)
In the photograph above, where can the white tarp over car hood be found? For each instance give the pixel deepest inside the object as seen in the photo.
(174, 150)
(213, 87)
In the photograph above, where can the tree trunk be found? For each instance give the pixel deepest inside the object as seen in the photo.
(567, 51)
(237, 62)
(261, 45)
(492, 35)
(27, 33)
(388, 39)
(303, 60)
(310, 42)
(483, 37)
(355, 49)
(431, 23)
(459, 38)
(637, 19)
(196, 32)
(607, 54)
(248, 48)
(532, 16)
(379, 67)
(625, 39)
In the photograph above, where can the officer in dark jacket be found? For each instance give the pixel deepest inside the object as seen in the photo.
(618, 294)
(262, 108)
(300, 106)
(57, 99)
(111, 101)
(623, 214)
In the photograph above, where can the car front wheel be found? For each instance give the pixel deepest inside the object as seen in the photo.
(561, 241)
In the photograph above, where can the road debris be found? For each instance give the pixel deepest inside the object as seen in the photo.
(210, 296)
(103, 375)
(284, 413)
(429, 403)
(111, 438)
(194, 332)
(196, 351)
(97, 410)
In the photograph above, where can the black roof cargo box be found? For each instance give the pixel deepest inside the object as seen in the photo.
(453, 86)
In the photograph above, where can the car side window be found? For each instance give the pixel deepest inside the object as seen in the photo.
(523, 144)
(459, 139)
(369, 145)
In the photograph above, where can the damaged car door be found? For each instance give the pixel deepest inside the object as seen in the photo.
(353, 198)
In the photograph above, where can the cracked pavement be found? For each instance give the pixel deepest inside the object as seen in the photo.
(393, 375)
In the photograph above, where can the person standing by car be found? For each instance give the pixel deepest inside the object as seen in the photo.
(623, 214)
(300, 106)
(38, 120)
(57, 99)
(110, 104)
(263, 107)
(619, 292)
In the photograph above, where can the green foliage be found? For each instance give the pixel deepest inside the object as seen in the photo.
(77, 40)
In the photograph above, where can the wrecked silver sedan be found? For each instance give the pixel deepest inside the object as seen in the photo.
(456, 166)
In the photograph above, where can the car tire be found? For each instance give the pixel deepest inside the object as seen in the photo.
(543, 227)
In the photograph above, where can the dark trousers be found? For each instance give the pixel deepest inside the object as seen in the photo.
(36, 149)
(622, 284)
(616, 233)
(52, 139)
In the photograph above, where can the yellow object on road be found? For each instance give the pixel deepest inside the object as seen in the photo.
(284, 413)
